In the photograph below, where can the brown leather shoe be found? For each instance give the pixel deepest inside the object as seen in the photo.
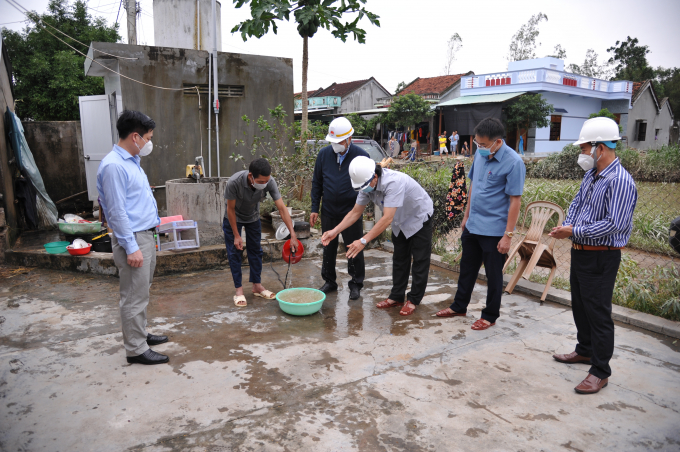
(572, 358)
(591, 385)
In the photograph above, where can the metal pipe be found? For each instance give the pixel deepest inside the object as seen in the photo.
(209, 118)
(216, 104)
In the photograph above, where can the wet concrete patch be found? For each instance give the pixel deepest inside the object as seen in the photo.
(351, 377)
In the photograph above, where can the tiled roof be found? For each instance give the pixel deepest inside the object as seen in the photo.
(431, 85)
(342, 89)
(636, 90)
(312, 93)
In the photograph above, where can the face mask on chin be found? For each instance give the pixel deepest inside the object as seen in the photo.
(146, 149)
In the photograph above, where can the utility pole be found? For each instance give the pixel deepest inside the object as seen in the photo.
(216, 102)
(132, 21)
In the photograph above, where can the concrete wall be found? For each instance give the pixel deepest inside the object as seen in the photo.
(578, 110)
(6, 154)
(363, 98)
(451, 94)
(57, 148)
(267, 82)
(645, 109)
(177, 23)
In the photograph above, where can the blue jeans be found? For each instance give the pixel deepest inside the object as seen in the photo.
(253, 247)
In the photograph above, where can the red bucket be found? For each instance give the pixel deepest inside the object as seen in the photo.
(287, 254)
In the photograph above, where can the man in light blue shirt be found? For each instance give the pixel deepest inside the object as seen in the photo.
(454, 142)
(496, 186)
(132, 214)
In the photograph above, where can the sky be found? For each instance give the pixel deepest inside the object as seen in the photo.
(412, 38)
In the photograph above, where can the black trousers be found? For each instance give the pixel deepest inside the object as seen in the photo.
(478, 249)
(355, 266)
(418, 247)
(593, 274)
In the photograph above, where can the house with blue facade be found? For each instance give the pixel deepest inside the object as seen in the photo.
(573, 96)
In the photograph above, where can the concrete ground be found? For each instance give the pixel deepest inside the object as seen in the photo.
(351, 377)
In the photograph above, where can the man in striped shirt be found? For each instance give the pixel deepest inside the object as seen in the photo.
(599, 223)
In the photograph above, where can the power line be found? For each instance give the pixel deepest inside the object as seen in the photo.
(59, 31)
(94, 61)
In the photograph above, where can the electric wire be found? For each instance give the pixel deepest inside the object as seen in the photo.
(95, 61)
(11, 2)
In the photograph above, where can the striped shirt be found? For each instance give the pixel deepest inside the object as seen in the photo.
(602, 211)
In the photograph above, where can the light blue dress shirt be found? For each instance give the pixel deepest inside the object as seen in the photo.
(493, 182)
(395, 189)
(126, 197)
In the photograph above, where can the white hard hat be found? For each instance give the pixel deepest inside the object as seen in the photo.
(598, 129)
(339, 130)
(361, 171)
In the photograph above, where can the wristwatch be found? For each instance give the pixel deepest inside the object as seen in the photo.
(510, 233)
(363, 241)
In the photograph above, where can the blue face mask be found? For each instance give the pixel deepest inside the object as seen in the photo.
(484, 152)
(368, 189)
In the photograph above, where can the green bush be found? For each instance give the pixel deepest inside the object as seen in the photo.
(655, 165)
(655, 292)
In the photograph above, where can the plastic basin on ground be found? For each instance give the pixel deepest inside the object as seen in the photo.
(80, 228)
(301, 308)
(56, 247)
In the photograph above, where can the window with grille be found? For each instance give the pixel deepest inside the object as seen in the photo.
(641, 131)
(555, 127)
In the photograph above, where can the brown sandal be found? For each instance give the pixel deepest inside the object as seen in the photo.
(406, 310)
(386, 304)
(445, 313)
(479, 325)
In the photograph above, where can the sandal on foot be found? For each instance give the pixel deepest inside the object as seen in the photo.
(265, 294)
(386, 304)
(408, 310)
(240, 301)
(479, 325)
(445, 313)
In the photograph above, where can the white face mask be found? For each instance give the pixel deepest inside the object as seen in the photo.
(259, 186)
(586, 162)
(338, 148)
(146, 149)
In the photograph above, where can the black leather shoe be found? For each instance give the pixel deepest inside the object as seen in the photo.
(148, 357)
(354, 293)
(155, 340)
(328, 288)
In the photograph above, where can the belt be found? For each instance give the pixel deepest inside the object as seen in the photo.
(153, 229)
(578, 246)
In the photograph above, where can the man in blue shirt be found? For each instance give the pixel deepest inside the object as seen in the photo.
(131, 211)
(496, 186)
(331, 182)
(599, 222)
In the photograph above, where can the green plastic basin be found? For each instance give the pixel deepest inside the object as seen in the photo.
(300, 308)
(56, 247)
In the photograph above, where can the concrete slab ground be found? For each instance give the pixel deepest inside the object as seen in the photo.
(351, 377)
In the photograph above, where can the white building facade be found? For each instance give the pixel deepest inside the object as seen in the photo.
(573, 96)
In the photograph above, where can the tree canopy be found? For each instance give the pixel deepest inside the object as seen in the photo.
(630, 60)
(408, 110)
(591, 67)
(523, 44)
(529, 110)
(48, 75)
(453, 45)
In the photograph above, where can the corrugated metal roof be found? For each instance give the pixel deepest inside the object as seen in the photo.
(483, 99)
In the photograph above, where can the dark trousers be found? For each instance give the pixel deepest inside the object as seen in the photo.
(418, 247)
(355, 266)
(593, 274)
(478, 249)
(253, 247)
